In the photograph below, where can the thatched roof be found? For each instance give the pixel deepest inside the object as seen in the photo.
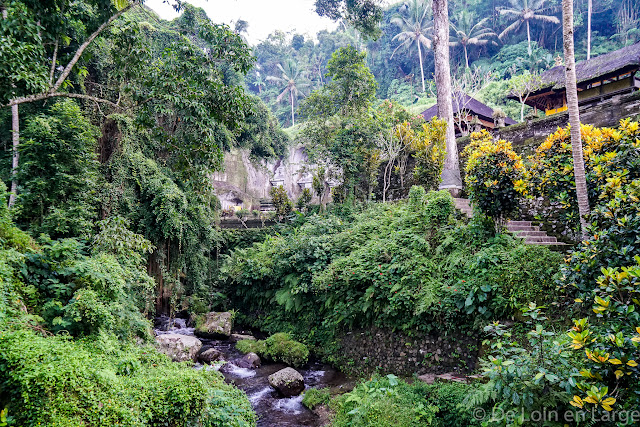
(609, 63)
(465, 102)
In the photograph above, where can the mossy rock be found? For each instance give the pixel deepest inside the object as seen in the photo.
(214, 325)
(278, 348)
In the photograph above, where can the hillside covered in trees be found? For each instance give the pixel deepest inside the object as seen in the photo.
(500, 38)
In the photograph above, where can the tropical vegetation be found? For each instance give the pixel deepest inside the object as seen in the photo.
(113, 123)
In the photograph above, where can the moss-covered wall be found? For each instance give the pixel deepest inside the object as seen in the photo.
(392, 351)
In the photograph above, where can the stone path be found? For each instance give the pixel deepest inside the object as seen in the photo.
(531, 234)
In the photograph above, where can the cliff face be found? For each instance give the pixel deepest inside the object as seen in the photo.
(244, 182)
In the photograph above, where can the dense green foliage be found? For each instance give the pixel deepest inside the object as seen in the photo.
(389, 401)
(314, 397)
(404, 266)
(613, 168)
(59, 197)
(97, 292)
(98, 381)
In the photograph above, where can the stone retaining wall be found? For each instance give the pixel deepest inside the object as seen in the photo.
(403, 355)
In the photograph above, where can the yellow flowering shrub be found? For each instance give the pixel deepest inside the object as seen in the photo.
(550, 172)
(494, 176)
(429, 149)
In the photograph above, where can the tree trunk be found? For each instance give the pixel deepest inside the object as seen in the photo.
(574, 115)
(421, 67)
(52, 92)
(589, 12)
(15, 136)
(451, 174)
(529, 39)
(466, 55)
(293, 120)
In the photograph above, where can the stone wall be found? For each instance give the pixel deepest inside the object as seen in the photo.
(366, 350)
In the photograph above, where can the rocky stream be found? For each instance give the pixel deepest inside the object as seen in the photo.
(268, 403)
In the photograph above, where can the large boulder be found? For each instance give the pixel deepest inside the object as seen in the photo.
(249, 361)
(287, 381)
(214, 325)
(210, 355)
(179, 348)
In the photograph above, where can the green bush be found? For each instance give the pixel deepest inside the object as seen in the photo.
(303, 201)
(281, 201)
(615, 216)
(315, 397)
(58, 172)
(84, 294)
(56, 381)
(532, 377)
(609, 344)
(252, 346)
(389, 401)
(389, 267)
(279, 348)
(494, 175)
(439, 208)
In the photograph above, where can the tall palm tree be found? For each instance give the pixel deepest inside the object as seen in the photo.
(451, 172)
(467, 33)
(524, 12)
(294, 81)
(589, 13)
(415, 29)
(574, 114)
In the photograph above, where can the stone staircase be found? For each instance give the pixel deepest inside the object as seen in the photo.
(531, 234)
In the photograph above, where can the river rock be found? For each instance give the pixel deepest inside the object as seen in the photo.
(249, 361)
(209, 355)
(287, 381)
(214, 325)
(179, 348)
(240, 337)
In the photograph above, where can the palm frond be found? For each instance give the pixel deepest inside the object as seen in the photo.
(513, 27)
(546, 18)
(284, 92)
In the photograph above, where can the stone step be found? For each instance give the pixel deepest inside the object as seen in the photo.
(529, 233)
(540, 239)
(547, 243)
(519, 223)
(514, 228)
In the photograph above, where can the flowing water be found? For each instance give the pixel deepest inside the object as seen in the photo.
(272, 410)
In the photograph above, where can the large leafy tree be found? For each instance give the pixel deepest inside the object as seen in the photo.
(525, 12)
(293, 82)
(45, 35)
(574, 115)
(341, 130)
(415, 30)
(362, 14)
(59, 172)
(468, 32)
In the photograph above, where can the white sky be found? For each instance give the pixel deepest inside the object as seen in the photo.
(264, 16)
